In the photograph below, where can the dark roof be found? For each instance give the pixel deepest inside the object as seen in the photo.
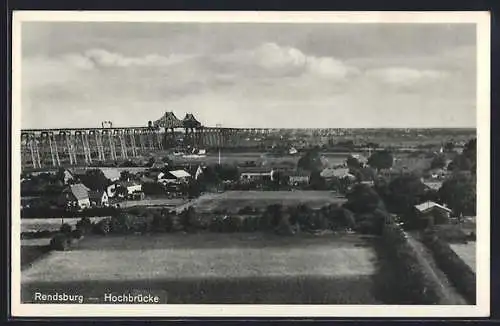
(96, 194)
(169, 120)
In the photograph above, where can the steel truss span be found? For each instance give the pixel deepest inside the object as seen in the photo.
(84, 146)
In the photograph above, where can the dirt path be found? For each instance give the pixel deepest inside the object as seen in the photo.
(452, 295)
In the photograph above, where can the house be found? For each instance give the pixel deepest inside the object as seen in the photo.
(298, 178)
(131, 187)
(98, 198)
(180, 175)
(329, 173)
(76, 195)
(432, 213)
(255, 173)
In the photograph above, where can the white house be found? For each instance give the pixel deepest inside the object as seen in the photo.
(255, 173)
(132, 187)
(76, 195)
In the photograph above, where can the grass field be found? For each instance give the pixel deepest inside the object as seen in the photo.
(235, 200)
(467, 252)
(210, 268)
(51, 224)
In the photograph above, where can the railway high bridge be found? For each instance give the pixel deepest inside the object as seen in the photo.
(84, 146)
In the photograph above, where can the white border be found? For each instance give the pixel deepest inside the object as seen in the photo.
(481, 309)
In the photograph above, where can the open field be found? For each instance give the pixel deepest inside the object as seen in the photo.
(210, 268)
(467, 252)
(51, 224)
(235, 200)
(169, 202)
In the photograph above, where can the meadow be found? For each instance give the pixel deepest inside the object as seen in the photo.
(235, 200)
(209, 268)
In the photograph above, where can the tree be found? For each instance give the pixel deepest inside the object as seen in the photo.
(60, 174)
(65, 228)
(125, 175)
(84, 225)
(353, 163)
(274, 213)
(381, 160)
(449, 146)
(438, 162)
(459, 193)
(470, 152)
(151, 162)
(167, 160)
(316, 181)
(310, 161)
(95, 180)
(362, 199)
(60, 242)
(121, 192)
(404, 192)
(460, 163)
(470, 149)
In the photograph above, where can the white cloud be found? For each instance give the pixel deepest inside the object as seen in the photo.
(405, 77)
(272, 58)
(111, 59)
(259, 86)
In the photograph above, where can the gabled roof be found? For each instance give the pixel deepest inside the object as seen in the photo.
(169, 120)
(433, 185)
(179, 173)
(428, 205)
(79, 191)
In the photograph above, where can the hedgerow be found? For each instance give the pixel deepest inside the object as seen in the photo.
(459, 273)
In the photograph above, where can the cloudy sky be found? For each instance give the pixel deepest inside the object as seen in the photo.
(249, 75)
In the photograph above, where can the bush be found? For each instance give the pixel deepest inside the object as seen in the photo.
(103, 227)
(84, 225)
(416, 282)
(120, 224)
(65, 228)
(60, 242)
(450, 233)
(51, 212)
(460, 274)
(77, 234)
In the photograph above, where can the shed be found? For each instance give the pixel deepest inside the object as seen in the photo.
(432, 213)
